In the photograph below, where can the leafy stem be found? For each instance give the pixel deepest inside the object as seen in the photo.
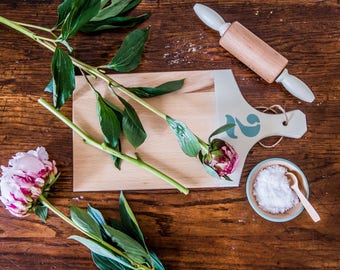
(103, 147)
(48, 30)
(56, 211)
(62, 63)
(93, 71)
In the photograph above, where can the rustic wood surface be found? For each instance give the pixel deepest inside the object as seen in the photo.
(209, 228)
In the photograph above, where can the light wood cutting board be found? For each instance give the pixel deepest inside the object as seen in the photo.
(194, 104)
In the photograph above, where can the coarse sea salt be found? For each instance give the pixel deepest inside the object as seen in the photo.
(272, 190)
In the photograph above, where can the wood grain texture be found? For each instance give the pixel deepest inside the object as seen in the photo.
(160, 149)
(209, 228)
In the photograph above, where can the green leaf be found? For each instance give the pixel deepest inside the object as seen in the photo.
(96, 215)
(109, 121)
(129, 221)
(210, 171)
(111, 10)
(110, 118)
(63, 11)
(129, 54)
(130, 246)
(63, 77)
(115, 223)
(81, 12)
(104, 263)
(97, 248)
(130, 6)
(115, 22)
(85, 221)
(186, 139)
(68, 46)
(117, 161)
(156, 261)
(226, 177)
(147, 92)
(103, 3)
(132, 126)
(41, 211)
(50, 87)
(220, 130)
(207, 168)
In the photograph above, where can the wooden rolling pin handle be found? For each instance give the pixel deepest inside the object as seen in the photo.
(253, 52)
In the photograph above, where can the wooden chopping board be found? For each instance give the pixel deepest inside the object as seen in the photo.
(194, 104)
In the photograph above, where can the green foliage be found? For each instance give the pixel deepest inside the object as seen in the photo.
(130, 246)
(132, 4)
(93, 16)
(96, 215)
(129, 221)
(129, 54)
(117, 246)
(63, 11)
(156, 261)
(147, 92)
(115, 22)
(50, 86)
(111, 10)
(110, 122)
(63, 77)
(41, 211)
(221, 129)
(114, 121)
(108, 119)
(132, 126)
(80, 13)
(98, 248)
(207, 168)
(104, 263)
(85, 221)
(186, 139)
(112, 16)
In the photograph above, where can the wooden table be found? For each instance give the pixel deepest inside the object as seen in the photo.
(209, 228)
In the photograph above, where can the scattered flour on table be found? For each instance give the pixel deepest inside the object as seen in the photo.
(181, 53)
(272, 190)
(78, 198)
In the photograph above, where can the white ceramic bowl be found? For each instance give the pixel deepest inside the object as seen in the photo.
(291, 167)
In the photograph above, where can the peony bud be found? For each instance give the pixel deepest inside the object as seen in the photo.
(221, 157)
(25, 179)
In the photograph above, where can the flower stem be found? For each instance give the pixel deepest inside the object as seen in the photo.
(48, 30)
(96, 72)
(87, 68)
(112, 83)
(102, 146)
(56, 211)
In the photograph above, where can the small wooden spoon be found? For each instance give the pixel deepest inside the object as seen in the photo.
(309, 208)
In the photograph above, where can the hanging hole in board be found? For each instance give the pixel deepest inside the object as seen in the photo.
(274, 109)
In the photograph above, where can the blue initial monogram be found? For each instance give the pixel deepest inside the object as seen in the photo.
(248, 130)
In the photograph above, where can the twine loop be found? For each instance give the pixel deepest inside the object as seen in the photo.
(276, 109)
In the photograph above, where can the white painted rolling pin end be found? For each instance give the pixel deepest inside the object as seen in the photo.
(295, 86)
(211, 18)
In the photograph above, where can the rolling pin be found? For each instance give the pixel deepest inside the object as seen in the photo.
(254, 53)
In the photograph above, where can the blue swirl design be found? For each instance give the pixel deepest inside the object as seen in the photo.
(248, 130)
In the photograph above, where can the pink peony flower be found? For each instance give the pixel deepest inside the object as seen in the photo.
(221, 157)
(25, 179)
